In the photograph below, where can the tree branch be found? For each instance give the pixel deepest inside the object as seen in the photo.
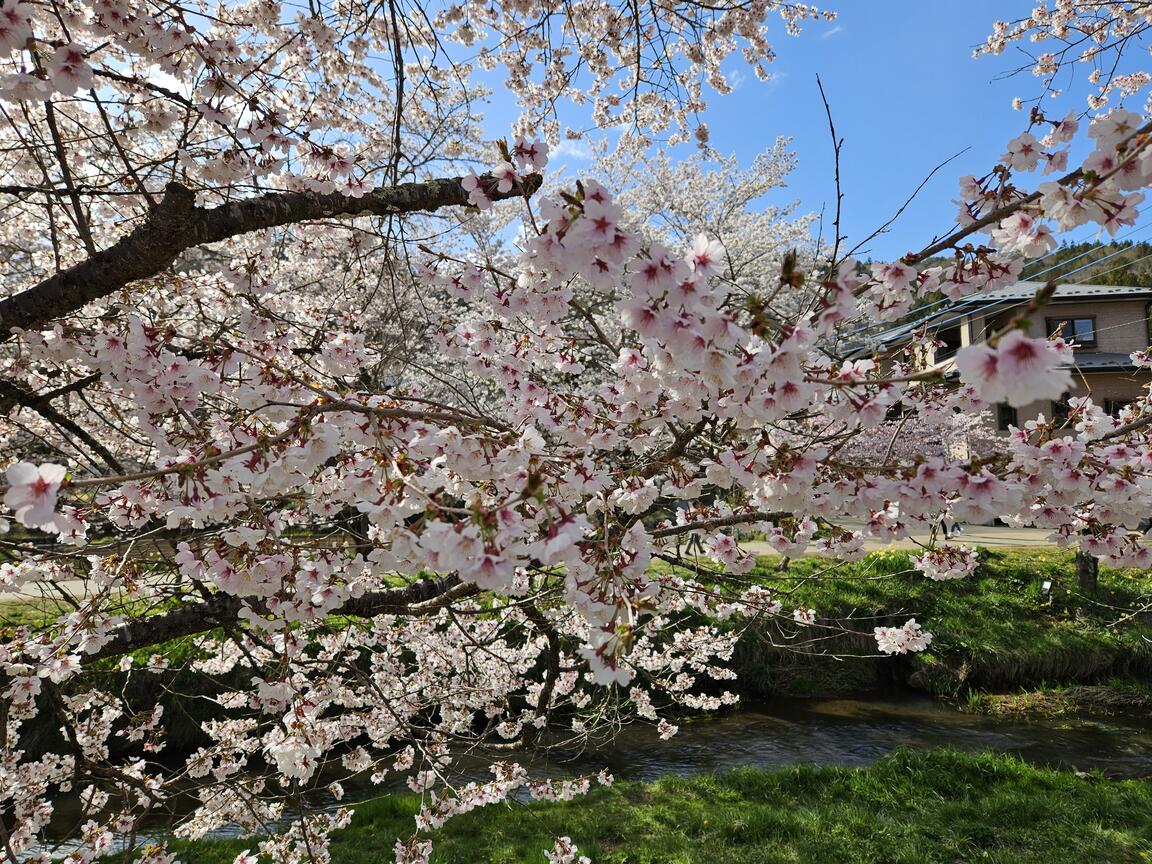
(13, 394)
(224, 609)
(1006, 210)
(177, 224)
(837, 144)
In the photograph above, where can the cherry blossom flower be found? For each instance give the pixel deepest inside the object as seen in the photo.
(530, 155)
(15, 29)
(1023, 153)
(504, 438)
(705, 255)
(413, 851)
(477, 194)
(902, 640)
(1018, 370)
(32, 493)
(564, 851)
(505, 176)
(946, 562)
(69, 71)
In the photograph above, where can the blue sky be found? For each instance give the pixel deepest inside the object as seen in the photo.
(896, 74)
(905, 95)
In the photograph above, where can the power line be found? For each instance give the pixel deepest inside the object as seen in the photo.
(959, 316)
(1034, 277)
(1085, 252)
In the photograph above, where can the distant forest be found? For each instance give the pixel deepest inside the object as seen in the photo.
(1120, 263)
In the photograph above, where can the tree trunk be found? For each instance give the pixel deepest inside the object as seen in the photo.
(1087, 569)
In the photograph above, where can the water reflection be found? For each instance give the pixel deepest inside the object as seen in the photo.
(825, 732)
(849, 732)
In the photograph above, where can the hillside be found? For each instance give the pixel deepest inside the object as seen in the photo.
(1120, 263)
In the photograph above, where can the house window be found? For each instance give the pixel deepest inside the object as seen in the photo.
(950, 338)
(1082, 331)
(1113, 407)
(1061, 410)
(996, 323)
(1005, 417)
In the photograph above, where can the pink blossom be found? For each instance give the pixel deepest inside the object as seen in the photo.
(530, 155)
(15, 16)
(412, 851)
(32, 493)
(1065, 130)
(804, 616)
(705, 255)
(564, 851)
(477, 194)
(946, 562)
(1018, 370)
(902, 640)
(69, 70)
(505, 175)
(1023, 152)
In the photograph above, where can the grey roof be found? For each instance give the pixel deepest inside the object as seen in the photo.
(1025, 291)
(1103, 361)
(895, 334)
(1017, 293)
(1085, 361)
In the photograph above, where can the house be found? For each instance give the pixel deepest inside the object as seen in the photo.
(1107, 323)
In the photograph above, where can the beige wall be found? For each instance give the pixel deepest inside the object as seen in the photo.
(1099, 385)
(1121, 327)
(1121, 324)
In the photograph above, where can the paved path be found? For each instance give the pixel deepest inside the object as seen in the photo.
(973, 535)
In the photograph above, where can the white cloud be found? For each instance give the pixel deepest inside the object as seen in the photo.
(827, 33)
(573, 148)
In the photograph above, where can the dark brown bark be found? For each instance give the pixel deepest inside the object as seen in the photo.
(177, 224)
(1087, 572)
(13, 394)
(722, 522)
(223, 610)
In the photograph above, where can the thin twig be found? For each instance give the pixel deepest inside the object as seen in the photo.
(837, 143)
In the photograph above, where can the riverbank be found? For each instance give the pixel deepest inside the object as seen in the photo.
(997, 631)
(1001, 643)
(935, 807)
(1115, 697)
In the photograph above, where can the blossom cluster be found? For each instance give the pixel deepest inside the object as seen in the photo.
(901, 640)
(408, 499)
(946, 562)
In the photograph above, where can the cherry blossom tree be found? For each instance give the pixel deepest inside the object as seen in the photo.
(413, 458)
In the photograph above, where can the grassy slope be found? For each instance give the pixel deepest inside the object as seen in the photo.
(910, 808)
(993, 630)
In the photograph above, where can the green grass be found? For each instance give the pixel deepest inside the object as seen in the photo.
(993, 633)
(1111, 697)
(34, 613)
(938, 807)
(993, 630)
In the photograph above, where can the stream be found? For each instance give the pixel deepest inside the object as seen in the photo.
(856, 732)
(827, 731)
